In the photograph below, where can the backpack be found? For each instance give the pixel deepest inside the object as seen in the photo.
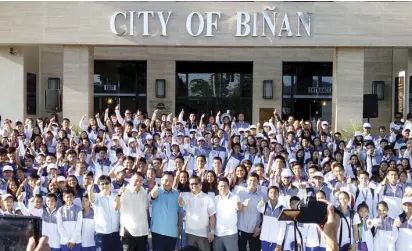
(351, 215)
(358, 191)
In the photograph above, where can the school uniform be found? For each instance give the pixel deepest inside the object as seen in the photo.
(385, 235)
(393, 196)
(49, 228)
(313, 238)
(69, 226)
(272, 231)
(365, 235)
(289, 244)
(367, 195)
(404, 241)
(88, 243)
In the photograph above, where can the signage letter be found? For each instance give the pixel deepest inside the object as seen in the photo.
(241, 23)
(303, 18)
(164, 22)
(210, 23)
(271, 25)
(285, 26)
(131, 31)
(145, 21)
(189, 24)
(113, 23)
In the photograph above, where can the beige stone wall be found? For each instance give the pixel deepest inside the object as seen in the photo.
(78, 63)
(378, 67)
(333, 23)
(347, 91)
(12, 82)
(51, 66)
(267, 65)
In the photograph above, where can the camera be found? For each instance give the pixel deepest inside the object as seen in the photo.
(308, 211)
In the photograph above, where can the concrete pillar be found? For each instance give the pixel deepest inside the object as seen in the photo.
(12, 81)
(347, 90)
(161, 69)
(78, 62)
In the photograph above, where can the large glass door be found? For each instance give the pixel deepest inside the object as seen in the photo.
(307, 90)
(209, 87)
(120, 82)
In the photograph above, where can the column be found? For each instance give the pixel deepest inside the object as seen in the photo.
(161, 69)
(77, 94)
(347, 88)
(12, 81)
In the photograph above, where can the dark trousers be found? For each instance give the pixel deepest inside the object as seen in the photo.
(133, 243)
(244, 238)
(108, 242)
(163, 243)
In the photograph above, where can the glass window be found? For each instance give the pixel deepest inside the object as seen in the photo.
(31, 94)
(120, 77)
(209, 87)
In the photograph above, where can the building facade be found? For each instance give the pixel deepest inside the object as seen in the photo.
(311, 59)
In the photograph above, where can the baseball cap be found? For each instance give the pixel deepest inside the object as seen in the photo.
(118, 169)
(61, 179)
(149, 137)
(52, 166)
(5, 196)
(367, 125)
(407, 200)
(200, 139)
(252, 127)
(318, 174)
(286, 173)
(259, 136)
(7, 168)
(325, 123)
(266, 124)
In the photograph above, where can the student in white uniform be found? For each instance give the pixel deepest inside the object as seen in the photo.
(289, 244)
(404, 225)
(391, 192)
(88, 243)
(272, 231)
(365, 232)
(385, 234)
(313, 237)
(348, 229)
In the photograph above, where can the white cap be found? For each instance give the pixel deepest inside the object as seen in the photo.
(271, 132)
(61, 179)
(118, 169)
(149, 137)
(134, 130)
(115, 137)
(174, 143)
(131, 140)
(247, 129)
(325, 123)
(286, 173)
(192, 130)
(5, 196)
(318, 174)
(241, 129)
(273, 141)
(266, 124)
(357, 134)
(407, 199)
(252, 127)
(200, 139)
(180, 134)
(367, 125)
(292, 160)
(7, 168)
(259, 135)
(52, 166)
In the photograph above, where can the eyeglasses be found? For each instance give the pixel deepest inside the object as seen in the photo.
(194, 184)
(104, 183)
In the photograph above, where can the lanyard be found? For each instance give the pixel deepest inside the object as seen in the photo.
(365, 197)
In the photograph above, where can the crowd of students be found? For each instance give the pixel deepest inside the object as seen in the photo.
(217, 183)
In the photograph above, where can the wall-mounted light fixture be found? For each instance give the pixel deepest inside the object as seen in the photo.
(378, 88)
(267, 89)
(160, 88)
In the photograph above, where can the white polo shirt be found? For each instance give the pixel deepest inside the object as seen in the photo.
(198, 210)
(133, 212)
(226, 214)
(105, 217)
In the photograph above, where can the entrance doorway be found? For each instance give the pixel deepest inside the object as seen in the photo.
(120, 83)
(209, 87)
(307, 90)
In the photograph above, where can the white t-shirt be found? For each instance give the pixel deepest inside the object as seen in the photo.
(226, 214)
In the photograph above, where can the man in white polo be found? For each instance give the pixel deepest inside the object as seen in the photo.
(200, 216)
(133, 203)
